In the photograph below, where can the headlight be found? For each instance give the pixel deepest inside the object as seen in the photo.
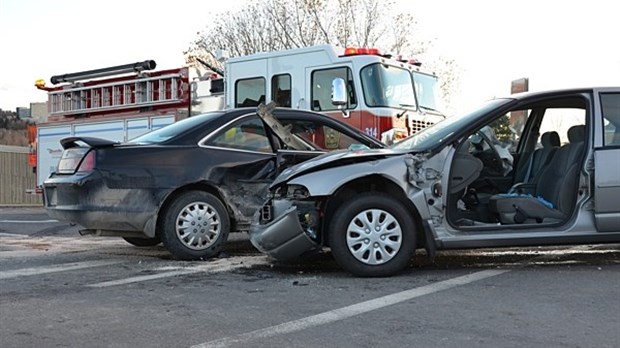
(393, 135)
(297, 192)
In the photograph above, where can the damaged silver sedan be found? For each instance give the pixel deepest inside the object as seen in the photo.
(531, 169)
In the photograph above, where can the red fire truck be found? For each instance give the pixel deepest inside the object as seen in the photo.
(386, 97)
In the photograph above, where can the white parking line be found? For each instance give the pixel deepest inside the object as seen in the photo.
(27, 222)
(54, 268)
(143, 278)
(347, 312)
(14, 235)
(220, 265)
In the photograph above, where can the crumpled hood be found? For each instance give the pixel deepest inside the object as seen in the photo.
(334, 159)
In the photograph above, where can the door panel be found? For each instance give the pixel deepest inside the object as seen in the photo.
(607, 189)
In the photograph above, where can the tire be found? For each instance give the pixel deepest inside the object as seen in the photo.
(381, 251)
(181, 234)
(142, 242)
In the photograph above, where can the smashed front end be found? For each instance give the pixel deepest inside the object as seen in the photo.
(287, 227)
(292, 222)
(296, 218)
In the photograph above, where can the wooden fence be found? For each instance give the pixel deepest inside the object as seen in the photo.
(16, 177)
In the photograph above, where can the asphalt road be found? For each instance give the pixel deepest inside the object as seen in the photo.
(58, 289)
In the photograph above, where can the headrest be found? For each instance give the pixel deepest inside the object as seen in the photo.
(550, 139)
(576, 134)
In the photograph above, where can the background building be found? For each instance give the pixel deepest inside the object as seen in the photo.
(22, 112)
(38, 112)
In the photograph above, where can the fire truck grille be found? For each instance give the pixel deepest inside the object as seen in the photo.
(417, 125)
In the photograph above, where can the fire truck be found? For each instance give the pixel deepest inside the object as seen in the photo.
(384, 96)
(116, 103)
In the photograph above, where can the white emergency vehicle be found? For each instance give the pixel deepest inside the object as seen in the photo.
(386, 97)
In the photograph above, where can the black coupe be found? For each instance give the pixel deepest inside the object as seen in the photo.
(188, 184)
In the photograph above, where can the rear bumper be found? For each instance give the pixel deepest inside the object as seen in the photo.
(282, 238)
(86, 200)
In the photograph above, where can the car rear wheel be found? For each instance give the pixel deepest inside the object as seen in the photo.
(372, 235)
(142, 242)
(195, 226)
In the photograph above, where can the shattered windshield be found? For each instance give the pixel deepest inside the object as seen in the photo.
(440, 131)
(172, 130)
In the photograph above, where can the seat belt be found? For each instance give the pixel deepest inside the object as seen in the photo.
(526, 179)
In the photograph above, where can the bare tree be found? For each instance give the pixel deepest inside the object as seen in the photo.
(448, 71)
(271, 25)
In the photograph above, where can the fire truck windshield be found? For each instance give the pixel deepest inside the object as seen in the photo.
(427, 91)
(387, 86)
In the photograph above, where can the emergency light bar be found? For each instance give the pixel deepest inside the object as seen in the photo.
(353, 51)
(358, 51)
(414, 61)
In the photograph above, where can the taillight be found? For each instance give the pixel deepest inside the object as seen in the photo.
(75, 157)
(88, 163)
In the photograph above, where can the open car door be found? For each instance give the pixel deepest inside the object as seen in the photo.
(607, 164)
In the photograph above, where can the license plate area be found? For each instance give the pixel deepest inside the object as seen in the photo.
(51, 196)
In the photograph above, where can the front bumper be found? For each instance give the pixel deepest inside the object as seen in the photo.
(282, 238)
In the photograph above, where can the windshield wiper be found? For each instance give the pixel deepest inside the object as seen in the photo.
(404, 111)
(430, 109)
(433, 110)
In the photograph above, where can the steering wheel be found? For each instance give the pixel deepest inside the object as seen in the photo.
(496, 162)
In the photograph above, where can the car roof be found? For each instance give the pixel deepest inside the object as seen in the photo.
(225, 116)
(560, 91)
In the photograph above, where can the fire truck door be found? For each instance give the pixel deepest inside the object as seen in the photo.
(319, 94)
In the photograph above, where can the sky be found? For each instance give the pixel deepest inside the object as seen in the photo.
(556, 44)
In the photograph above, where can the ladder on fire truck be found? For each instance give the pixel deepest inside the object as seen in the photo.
(143, 91)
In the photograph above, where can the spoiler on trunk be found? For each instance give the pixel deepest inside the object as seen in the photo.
(70, 142)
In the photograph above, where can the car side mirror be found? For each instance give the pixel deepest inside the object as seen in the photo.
(339, 92)
(339, 95)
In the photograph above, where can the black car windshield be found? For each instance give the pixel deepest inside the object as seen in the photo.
(172, 130)
(440, 131)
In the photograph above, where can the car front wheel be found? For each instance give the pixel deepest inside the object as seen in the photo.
(372, 235)
(195, 226)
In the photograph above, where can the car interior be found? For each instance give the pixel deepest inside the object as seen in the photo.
(522, 168)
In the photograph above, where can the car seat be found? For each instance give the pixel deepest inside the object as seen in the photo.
(555, 194)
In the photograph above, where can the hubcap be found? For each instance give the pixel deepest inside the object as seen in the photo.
(198, 225)
(374, 236)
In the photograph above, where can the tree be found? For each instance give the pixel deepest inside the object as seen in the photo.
(272, 25)
(12, 129)
(501, 128)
